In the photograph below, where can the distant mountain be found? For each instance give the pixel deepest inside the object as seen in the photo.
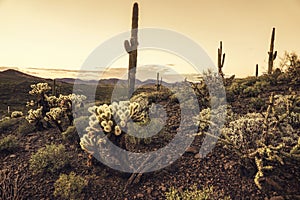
(14, 75)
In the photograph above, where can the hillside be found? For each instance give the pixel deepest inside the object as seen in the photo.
(222, 168)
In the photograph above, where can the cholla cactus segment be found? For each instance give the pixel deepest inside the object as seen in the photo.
(39, 88)
(34, 115)
(112, 117)
(55, 114)
(30, 103)
(16, 114)
(90, 143)
(207, 117)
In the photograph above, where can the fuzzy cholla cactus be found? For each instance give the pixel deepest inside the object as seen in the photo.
(54, 114)
(265, 138)
(109, 118)
(16, 114)
(39, 88)
(34, 116)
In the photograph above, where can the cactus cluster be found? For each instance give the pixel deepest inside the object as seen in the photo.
(264, 138)
(51, 108)
(34, 115)
(39, 88)
(16, 114)
(112, 119)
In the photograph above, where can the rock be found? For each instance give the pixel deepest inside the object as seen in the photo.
(149, 190)
(193, 150)
(139, 195)
(277, 198)
(27, 147)
(13, 156)
(198, 156)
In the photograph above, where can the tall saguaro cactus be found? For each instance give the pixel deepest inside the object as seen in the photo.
(272, 56)
(158, 83)
(131, 48)
(54, 88)
(221, 60)
(256, 71)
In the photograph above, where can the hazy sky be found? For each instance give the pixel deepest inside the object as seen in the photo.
(62, 33)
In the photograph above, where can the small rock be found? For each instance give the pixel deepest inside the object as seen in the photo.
(27, 147)
(149, 190)
(198, 156)
(139, 195)
(193, 150)
(277, 198)
(13, 156)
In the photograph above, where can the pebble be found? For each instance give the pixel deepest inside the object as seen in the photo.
(13, 156)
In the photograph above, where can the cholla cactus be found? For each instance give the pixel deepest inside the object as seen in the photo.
(39, 88)
(53, 108)
(111, 119)
(34, 116)
(263, 138)
(16, 114)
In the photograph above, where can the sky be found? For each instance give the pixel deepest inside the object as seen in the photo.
(61, 34)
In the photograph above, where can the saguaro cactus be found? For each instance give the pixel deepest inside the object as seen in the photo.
(131, 48)
(221, 60)
(272, 56)
(158, 83)
(54, 88)
(256, 71)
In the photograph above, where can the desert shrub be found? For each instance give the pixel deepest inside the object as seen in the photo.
(25, 128)
(264, 140)
(6, 123)
(257, 103)
(8, 143)
(237, 88)
(49, 159)
(69, 186)
(205, 193)
(16, 114)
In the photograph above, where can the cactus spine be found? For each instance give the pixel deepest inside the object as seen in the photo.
(272, 56)
(221, 60)
(131, 48)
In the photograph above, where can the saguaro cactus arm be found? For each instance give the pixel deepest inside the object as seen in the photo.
(131, 48)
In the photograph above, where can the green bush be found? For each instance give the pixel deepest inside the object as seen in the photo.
(8, 143)
(49, 159)
(194, 193)
(69, 186)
